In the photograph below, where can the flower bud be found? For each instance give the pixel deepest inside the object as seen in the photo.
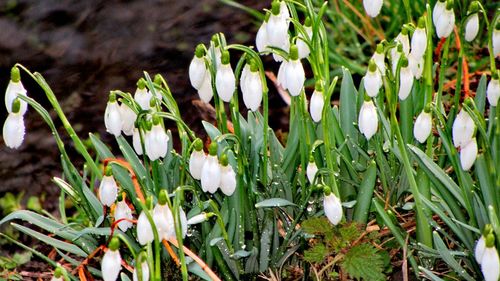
(15, 88)
(423, 126)
(108, 190)
(111, 261)
(142, 96)
(13, 130)
(446, 22)
(368, 119)
(251, 86)
(373, 7)
(198, 219)
(144, 230)
(128, 117)
(372, 80)
(333, 208)
(493, 90)
(490, 264)
(311, 170)
(294, 73)
(225, 82)
(112, 117)
(317, 103)
(197, 68)
(123, 211)
(156, 142)
(463, 129)
(468, 154)
(472, 27)
(405, 80)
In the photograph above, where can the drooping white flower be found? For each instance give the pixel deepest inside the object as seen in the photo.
(215, 52)
(108, 190)
(164, 221)
(395, 57)
(13, 90)
(210, 174)
(156, 142)
(405, 81)
(277, 26)
(490, 264)
(333, 208)
(205, 91)
(373, 7)
(445, 23)
(197, 219)
(112, 117)
(261, 40)
(281, 75)
(301, 44)
(495, 37)
(311, 170)
(227, 179)
(316, 105)
(416, 65)
(144, 230)
(225, 82)
(423, 126)
(479, 249)
(136, 142)
(493, 91)
(196, 161)
(111, 263)
(144, 272)
(142, 96)
(368, 119)
(294, 73)
(379, 58)
(251, 86)
(372, 80)
(404, 39)
(419, 40)
(197, 68)
(128, 118)
(472, 27)
(123, 211)
(468, 154)
(13, 130)
(463, 129)
(438, 11)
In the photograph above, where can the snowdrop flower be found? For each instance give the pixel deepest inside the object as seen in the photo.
(446, 21)
(311, 169)
(493, 90)
(373, 7)
(463, 129)
(372, 80)
(405, 80)
(142, 96)
(301, 43)
(294, 73)
(197, 68)
(13, 128)
(332, 207)
(416, 65)
(111, 261)
(15, 88)
(210, 172)
(198, 218)
(108, 189)
(123, 211)
(163, 218)
(472, 26)
(197, 159)
(404, 39)
(281, 75)
(58, 275)
(479, 249)
(143, 264)
(490, 262)
(112, 117)
(379, 58)
(419, 40)
(214, 51)
(496, 39)
(144, 230)
(438, 11)
(261, 41)
(277, 27)
(468, 154)
(368, 119)
(317, 102)
(156, 141)
(395, 56)
(136, 141)
(251, 86)
(423, 126)
(205, 91)
(128, 117)
(225, 82)
(228, 177)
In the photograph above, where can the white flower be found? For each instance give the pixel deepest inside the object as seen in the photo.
(472, 27)
(333, 208)
(311, 171)
(128, 118)
(490, 264)
(136, 141)
(108, 190)
(316, 105)
(112, 118)
(144, 272)
(395, 56)
(215, 48)
(372, 80)
(368, 119)
(197, 68)
(13, 90)
(225, 82)
(164, 221)
(156, 142)
(144, 230)
(281, 75)
(495, 37)
(302, 45)
(468, 154)
(405, 82)
(184, 222)
(463, 129)
(205, 91)
(423, 126)
(277, 26)
(438, 11)
(196, 161)
(404, 39)
(373, 7)
(493, 91)
(445, 23)
(123, 211)
(210, 174)
(285, 46)
(227, 180)
(143, 98)
(111, 265)
(13, 130)
(419, 43)
(416, 65)
(261, 41)
(294, 73)
(479, 249)
(197, 219)
(251, 88)
(379, 59)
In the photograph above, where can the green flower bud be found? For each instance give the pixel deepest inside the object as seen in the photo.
(372, 66)
(490, 240)
(225, 57)
(275, 8)
(15, 74)
(224, 161)
(308, 22)
(318, 86)
(58, 272)
(198, 144)
(212, 149)
(112, 97)
(327, 190)
(141, 83)
(254, 67)
(421, 22)
(114, 244)
(294, 52)
(200, 51)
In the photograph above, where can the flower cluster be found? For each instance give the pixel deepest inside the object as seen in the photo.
(13, 128)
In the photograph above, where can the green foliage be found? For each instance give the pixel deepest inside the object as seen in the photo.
(364, 262)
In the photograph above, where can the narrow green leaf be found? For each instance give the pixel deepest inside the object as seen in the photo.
(274, 202)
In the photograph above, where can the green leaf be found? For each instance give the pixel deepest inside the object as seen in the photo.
(480, 98)
(274, 202)
(319, 225)
(348, 108)
(364, 262)
(316, 254)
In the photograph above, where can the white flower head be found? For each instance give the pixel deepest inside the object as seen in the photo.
(197, 68)
(164, 220)
(14, 130)
(463, 129)
(277, 25)
(395, 54)
(373, 7)
(111, 263)
(472, 27)
(108, 190)
(372, 80)
(419, 40)
(15, 88)
(281, 75)
(128, 117)
(144, 272)
(493, 90)
(225, 81)
(123, 211)
(404, 39)
(479, 249)
(490, 264)
(468, 154)
(317, 103)
(294, 73)
(198, 219)
(261, 41)
(136, 141)
(228, 177)
(311, 170)
(251, 86)
(438, 11)
(446, 22)
(423, 126)
(197, 159)
(210, 172)
(301, 43)
(368, 119)
(379, 58)
(405, 80)
(495, 37)
(156, 141)
(112, 116)
(144, 230)
(416, 65)
(142, 96)
(205, 91)
(332, 207)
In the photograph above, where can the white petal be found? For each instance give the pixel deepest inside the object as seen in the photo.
(493, 91)
(210, 174)
(13, 130)
(445, 24)
(197, 72)
(479, 249)
(373, 7)
(144, 230)
(419, 43)
(295, 77)
(196, 161)
(311, 171)
(372, 83)
(490, 264)
(228, 180)
(406, 82)
(281, 75)
(496, 42)
(13, 90)
(416, 65)
(333, 208)
(143, 98)
(156, 142)
(438, 11)
(144, 272)
(108, 190)
(472, 27)
(111, 265)
(468, 154)
(302, 45)
(261, 39)
(277, 31)
(225, 82)
(463, 128)
(113, 119)
(123, 211)
(316, 106)
(368, 119)
(251, 89)
(164, 221)
(128, 118)
(184, 224)
(405, 42)
(380, 62)
(136, 141)
(197, 219)
(205, 92)
(423, 126)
